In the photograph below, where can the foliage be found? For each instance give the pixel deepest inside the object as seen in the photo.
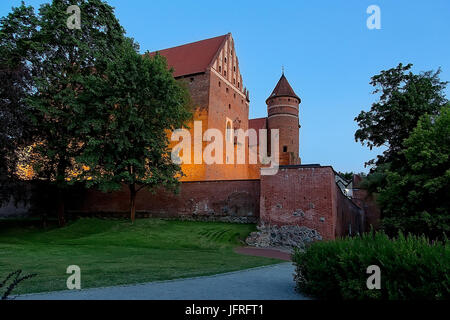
(15, 78)
(148, 250)
(411, 268)
(411, 179)
(16, 279)
(346, 175)
(93, 101)
(66, 61)
(137, 103)
(417, 195)
(404, 98)
(61, 62)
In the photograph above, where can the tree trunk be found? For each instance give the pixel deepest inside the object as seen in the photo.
(133, 202)
(61, 209)
(60, 180)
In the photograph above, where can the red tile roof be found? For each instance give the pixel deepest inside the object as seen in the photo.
(283, 89)
(193, 57)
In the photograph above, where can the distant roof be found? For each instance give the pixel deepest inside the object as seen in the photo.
(283, 89)
(193, 57)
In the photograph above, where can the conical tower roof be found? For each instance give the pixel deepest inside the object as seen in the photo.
(283, 89)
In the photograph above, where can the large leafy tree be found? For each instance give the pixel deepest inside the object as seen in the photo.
(417, 195)
(141, 103)
(400, 179)
(403, 98)
(65, 63)
(16, 31)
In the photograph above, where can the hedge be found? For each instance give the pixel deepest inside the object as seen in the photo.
(411, 268)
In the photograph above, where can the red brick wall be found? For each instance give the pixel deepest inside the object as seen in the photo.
(300, 196)
(308, 196)
(227, 102)
(218, 97)
(198, 86)
(207, 199)
(349, 217)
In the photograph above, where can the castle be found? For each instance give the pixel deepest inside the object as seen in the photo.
(210, 69)
(311, 195)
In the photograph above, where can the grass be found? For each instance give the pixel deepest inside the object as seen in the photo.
(114, 252)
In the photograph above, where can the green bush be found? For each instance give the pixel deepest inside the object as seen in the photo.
(411, 268)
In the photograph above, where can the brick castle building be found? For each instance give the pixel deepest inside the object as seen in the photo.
(297, 195)
(210, 68)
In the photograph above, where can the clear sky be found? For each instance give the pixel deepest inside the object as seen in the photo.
(328, 52)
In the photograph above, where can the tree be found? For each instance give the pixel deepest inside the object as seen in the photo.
(417, 195)
(15, 77)
(141, 103)
(65, 64)
(404, 98)
(346, 175)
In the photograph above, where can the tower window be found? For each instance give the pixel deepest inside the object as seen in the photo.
(226, 90)
(284, 148)
(219, 83)
(220, 69)
(225, 59)
(229, 106)
(225, 73)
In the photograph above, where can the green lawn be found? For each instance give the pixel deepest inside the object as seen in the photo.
(111, 252)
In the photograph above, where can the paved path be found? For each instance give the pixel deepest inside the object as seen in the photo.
(265, 283)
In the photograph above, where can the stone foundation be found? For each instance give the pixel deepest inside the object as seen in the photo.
(287, 236)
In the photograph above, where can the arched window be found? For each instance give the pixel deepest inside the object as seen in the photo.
(229, 130)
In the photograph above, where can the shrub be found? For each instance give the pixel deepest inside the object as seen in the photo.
(14, 278)
(411, 268)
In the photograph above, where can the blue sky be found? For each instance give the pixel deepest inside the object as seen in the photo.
(328, 52)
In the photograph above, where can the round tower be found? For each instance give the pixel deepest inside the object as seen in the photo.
(282, 108)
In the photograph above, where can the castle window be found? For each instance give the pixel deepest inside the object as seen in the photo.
(226, 90)
(225, 73)
(234, 81)
(284, 148)
(234, 96)
(239, 85)
(225, 59)
(220, 69)
(229, 106)
(219, 83)
(229, 130)
(234, 68)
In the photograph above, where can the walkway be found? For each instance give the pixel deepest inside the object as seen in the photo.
(264, 283)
